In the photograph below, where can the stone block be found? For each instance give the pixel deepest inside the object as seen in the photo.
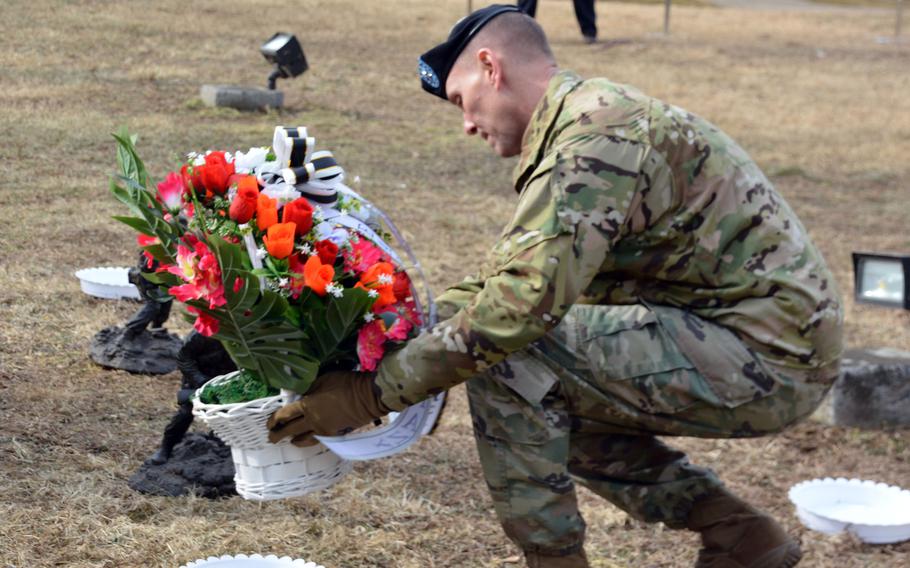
(240, 98)
(872, 391)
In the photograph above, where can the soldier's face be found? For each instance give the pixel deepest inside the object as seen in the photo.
(486, 107)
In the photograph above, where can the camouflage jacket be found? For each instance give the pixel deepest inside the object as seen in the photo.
(624, 199)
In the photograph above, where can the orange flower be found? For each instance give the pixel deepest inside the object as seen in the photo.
(317, 275)
(245, 202)
(301, 212)
(280, 240)
(266, 211)
(379, 277)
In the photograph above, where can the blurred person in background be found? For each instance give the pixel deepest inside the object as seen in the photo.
(584, 13)
(651, 282)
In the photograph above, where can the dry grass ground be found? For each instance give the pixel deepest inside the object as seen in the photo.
(819, 104)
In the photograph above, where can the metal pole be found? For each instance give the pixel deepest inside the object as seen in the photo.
(900, 16)
(666, 17)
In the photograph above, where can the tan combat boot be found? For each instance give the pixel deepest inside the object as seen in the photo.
(736, 535)
(575, 560)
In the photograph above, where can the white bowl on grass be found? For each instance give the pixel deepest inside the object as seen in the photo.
(875, 512)
(110, 282)
(252, 561)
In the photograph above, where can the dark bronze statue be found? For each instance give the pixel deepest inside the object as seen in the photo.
(200, 359)
(157, 303)
(136, 347)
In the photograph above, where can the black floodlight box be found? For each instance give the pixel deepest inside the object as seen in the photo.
(284, 51)
(882, 279)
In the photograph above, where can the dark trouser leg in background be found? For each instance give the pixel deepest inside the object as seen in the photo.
(584, 13)
(529, 7)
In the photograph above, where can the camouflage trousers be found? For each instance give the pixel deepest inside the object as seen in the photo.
(586, 402)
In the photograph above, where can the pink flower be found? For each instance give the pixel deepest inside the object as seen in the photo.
(170, 191)
(399, 330)
(204, 324)
(362, 255)
(370, 344)
(198, 267)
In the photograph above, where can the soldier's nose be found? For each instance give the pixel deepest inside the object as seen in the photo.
(469, 127)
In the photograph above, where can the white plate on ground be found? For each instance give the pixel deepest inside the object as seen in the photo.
(875, 512)
(111, 282)
(252, 561)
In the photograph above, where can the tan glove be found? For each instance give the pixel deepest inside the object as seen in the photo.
(340, 402)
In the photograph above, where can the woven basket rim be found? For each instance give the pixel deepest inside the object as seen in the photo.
(233, 406)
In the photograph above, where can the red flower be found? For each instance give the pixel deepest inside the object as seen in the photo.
(216, 173)
(192, 177)
(144, 241)
(300, 212)
(204, 324)
(245, 202)
(327, 251)
(401, 286)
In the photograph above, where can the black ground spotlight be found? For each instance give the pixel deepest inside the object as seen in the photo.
(284, 51)
(882, 278)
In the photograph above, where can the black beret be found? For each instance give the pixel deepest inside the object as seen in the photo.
(434, 65)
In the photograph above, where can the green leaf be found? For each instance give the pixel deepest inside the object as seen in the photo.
(136, 223)
(327, 329)
(128, 159)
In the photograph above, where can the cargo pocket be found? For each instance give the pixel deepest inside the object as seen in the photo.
(631, 361)
(500, 413)
(732, 374)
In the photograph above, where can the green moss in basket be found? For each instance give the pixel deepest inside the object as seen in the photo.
(243, 387)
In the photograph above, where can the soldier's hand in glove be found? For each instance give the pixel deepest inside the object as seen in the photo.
(340, 402)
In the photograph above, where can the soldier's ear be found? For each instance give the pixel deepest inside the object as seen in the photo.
(491, 66)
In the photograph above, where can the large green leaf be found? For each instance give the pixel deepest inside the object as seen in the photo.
(253, 326)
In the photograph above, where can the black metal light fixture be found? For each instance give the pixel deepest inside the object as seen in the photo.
(882, 278)
(284, 51)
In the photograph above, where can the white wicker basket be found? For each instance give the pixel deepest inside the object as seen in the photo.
(263, 470)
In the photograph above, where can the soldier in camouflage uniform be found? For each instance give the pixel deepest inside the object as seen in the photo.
(651, 282)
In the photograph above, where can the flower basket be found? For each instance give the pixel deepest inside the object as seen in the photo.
(263, 470)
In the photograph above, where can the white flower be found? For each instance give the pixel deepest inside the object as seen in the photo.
(281, 192)
(283, 282)
(305, 248)
(385, 279)
(199, 160)
(368, 317)
(373, 294)
(261, 253)
(318, 215)
(245, 163)
(335, 290)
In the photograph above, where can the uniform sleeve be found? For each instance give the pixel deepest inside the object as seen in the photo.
(458, 296)
(568, 217)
